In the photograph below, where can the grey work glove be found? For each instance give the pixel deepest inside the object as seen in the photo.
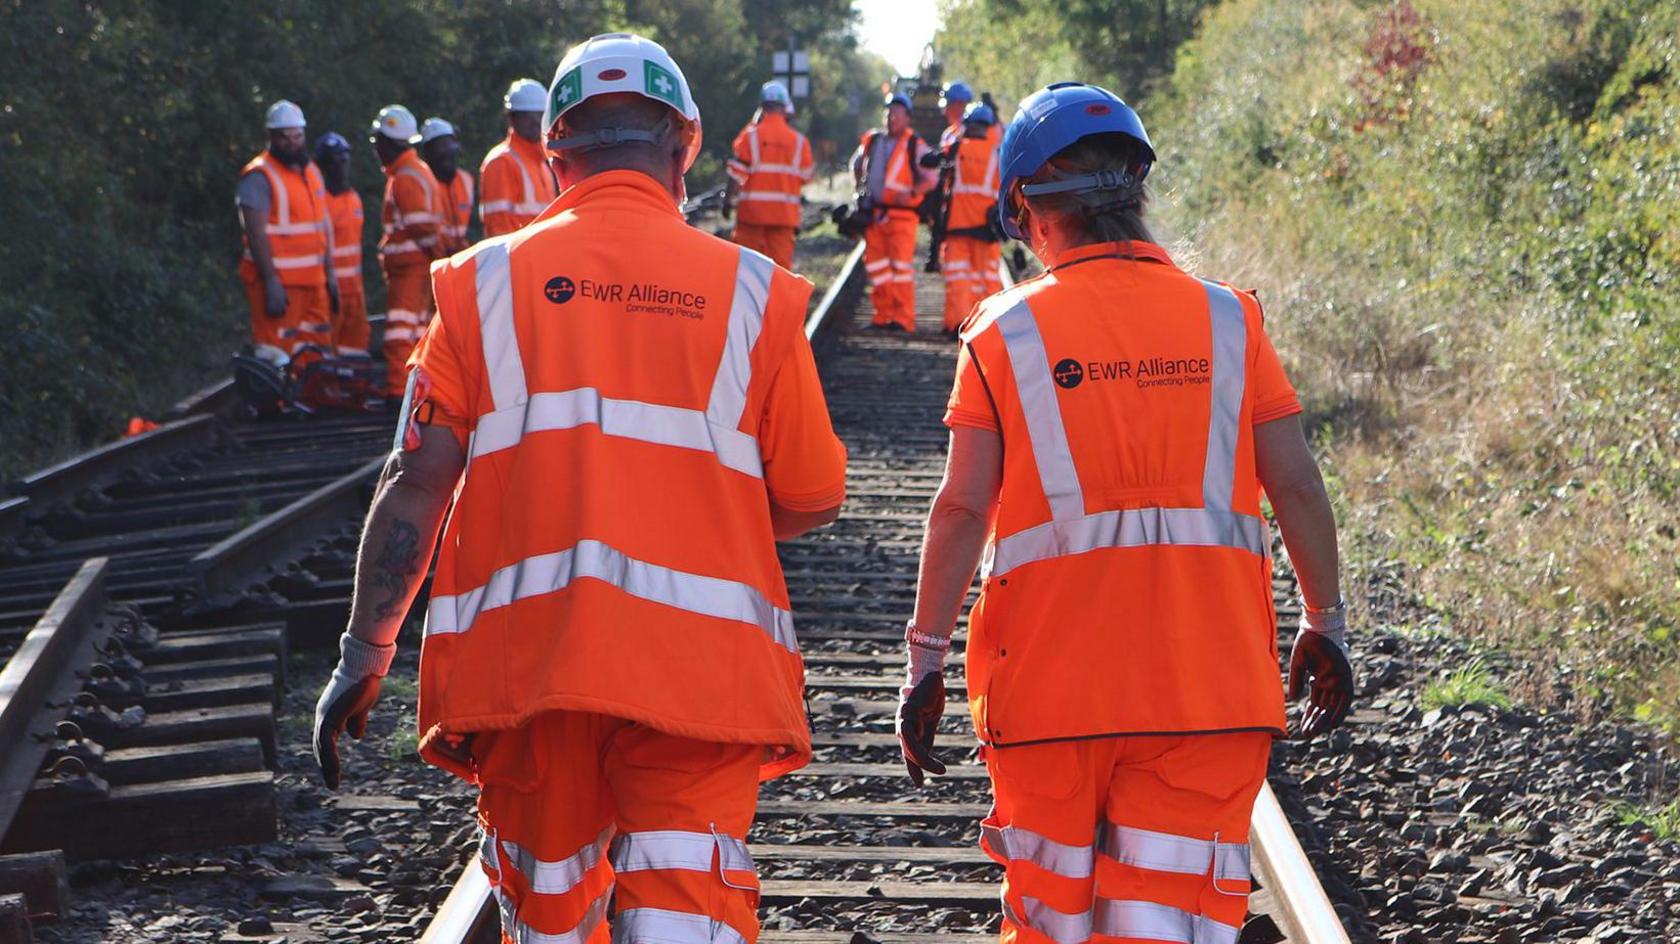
(274, 297)
(347, 699)
(1319, 668)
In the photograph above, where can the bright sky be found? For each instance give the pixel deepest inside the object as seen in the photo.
(897, 29)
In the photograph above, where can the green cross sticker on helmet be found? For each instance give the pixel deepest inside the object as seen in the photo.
(662, 84)
(567, 92)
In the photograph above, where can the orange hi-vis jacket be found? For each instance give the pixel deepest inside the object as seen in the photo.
(514, 185)
(974, 183)
(772, 163)
(346, 213)
(899, 186)
(412, 214)
(297, 222)
(631, 412)
(1127, 582)
(457, 209)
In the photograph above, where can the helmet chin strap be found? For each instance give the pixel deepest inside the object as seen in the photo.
(1124, 181)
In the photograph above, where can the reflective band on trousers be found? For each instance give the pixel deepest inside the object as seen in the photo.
(551, 573)
(662, 926)
(1111, 917)
(1165, 852)
(516, 412)
(679, 849)
(1023, 845)
(1157, 922)
(562, 875)
(1071, 530)
(521, 933)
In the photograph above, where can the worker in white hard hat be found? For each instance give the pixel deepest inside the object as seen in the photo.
(514, 180)
(624, 415)
(412, 218)
(771, 165)
(287, 262)
(441, 150)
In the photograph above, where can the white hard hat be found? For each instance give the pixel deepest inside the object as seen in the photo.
(525, 95)
(397, 123)
(284, 114)
(619, 62)
(775, 92)
(435, 127)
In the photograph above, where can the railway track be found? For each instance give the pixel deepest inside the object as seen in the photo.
(846, 845)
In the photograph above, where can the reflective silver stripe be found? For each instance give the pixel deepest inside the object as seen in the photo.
(291, 229)
(1059, 926)
(392, 249)
(1158, 922)
(294, 262)
(522, 933)
(1166, 852)
(630, 419)
(487, 846)
(402, 316)
(1033, 382)
(353, 249)
(1230, 345)
(553, 572)
(1130, 527)
(409, 219)
(728, 400)
(661, 926)
(766, 196)
(562, 875)
(1015, 844)
(679, 849)
(348, 272)
(494, 206)
(503, 366)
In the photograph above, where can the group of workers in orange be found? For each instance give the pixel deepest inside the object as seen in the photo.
(303, 224)
(613, 419)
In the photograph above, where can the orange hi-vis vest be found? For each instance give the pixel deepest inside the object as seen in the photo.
(457, 208)
(974, 183)
(514, 185)
(1127, 581)
(297, 222)
(610, 548)
(346, 212)
(899, 185)
(412, 213)
(772, 163)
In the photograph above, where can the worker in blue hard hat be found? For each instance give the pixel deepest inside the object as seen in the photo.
(1113, 424)
(889, 172)
(954, 102)
(970, 253)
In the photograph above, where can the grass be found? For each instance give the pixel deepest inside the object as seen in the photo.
(404, 743)
(1664, 821)
(1469, 684)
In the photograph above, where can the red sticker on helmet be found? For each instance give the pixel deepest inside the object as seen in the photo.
(1097, 108)
(610, 75)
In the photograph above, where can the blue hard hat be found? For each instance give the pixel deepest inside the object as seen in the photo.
(898, 98)
(956, 92)
(981, 112)
(1050, 120)
(330, 143)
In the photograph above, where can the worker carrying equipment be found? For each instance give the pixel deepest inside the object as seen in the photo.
(771, 164)
(412, 218)
(891, 180)
(514, 179)
(440, 149)
(344, 210)
(662, 375)
(1114, 422)
(287, 261)
(969, 248)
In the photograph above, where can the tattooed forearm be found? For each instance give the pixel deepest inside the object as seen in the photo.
(394, 569)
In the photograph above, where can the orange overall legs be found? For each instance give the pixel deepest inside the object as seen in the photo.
(970, 269)
(308, 318)
(1125, 839)
(576, 806)
(350, 329)
(408, 306)
(774, 241)
(889, 258)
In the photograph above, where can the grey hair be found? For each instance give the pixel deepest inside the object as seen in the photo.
(1103, 216)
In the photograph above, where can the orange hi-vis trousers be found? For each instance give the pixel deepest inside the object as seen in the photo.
(889, 258)
(970, 269)
(308, 318)
(774, 241)
(408, 307)
(350, 333)
(1125, 838)
(579, 810)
